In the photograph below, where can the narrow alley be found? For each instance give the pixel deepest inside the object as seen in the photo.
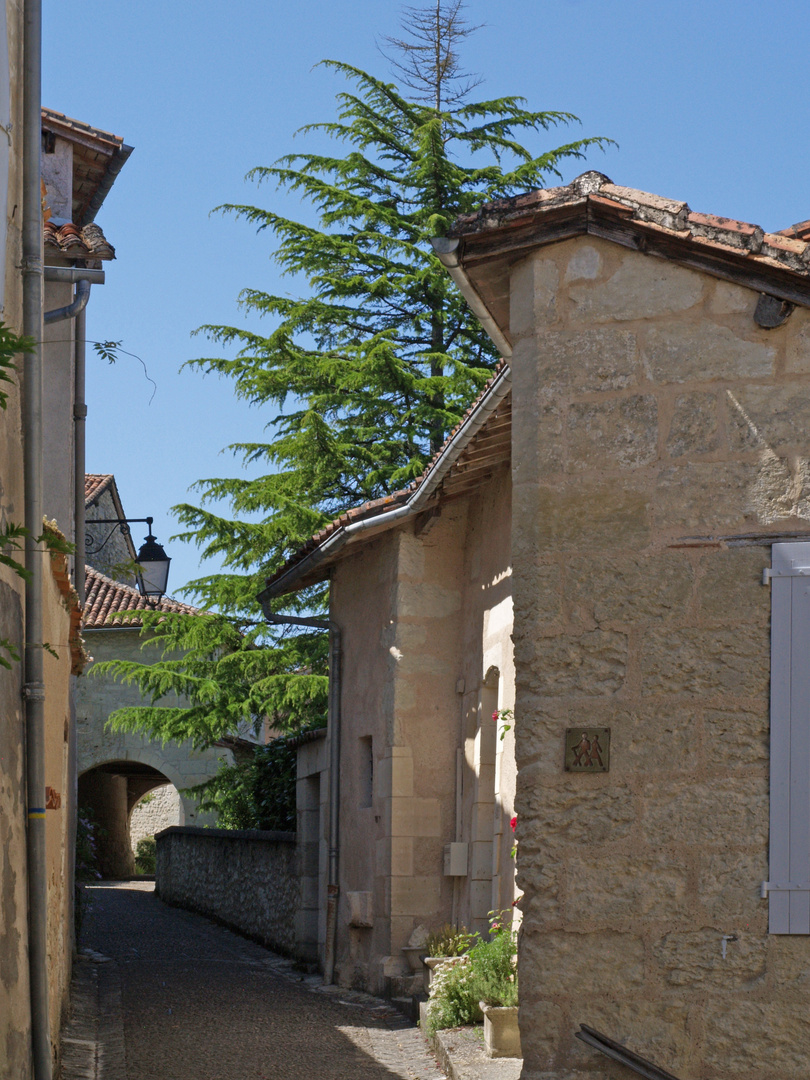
(161, 992)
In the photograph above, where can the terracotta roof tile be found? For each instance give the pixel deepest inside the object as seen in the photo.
(800, 231)
(58, 121)
(95, 484)
(725, 247)
(108, 603)
(387, 502)
(88, 242)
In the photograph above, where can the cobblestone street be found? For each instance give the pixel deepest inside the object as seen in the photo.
(160, 992)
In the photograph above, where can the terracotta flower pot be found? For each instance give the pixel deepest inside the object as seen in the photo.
(501, 1031)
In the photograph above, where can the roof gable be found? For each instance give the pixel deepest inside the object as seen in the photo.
(479, 444)
(486, 243)
(97, 158)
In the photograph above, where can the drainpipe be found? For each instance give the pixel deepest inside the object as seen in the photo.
(70, 311)
(333, 884)
(35, 553)
(333, 881)
(82, 278)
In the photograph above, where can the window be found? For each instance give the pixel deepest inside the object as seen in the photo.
(366, 785)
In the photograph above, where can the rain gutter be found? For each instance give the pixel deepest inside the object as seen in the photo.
(446, 249)
(476, 419)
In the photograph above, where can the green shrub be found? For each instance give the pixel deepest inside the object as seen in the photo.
(145, 855)
(487, 973)
(255, 793)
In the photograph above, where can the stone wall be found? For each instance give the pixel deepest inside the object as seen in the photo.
(158, 810)
(97, 697)
(426, 616)
(244, 879)
(662, 439)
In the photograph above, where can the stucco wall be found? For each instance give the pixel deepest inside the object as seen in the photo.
(58, 718)
(57, 404)
(652, 419)
(246, 879)
(14, 992)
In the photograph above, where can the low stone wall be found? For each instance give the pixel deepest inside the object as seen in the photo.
(245, 879)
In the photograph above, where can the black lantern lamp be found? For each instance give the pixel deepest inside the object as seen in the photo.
(152, 560)
(154, 566)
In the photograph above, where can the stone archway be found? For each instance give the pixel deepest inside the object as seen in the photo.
(110, 791)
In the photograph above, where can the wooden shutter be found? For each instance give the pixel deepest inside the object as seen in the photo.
(788, 889)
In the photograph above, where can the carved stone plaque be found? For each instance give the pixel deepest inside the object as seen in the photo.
(587, 750)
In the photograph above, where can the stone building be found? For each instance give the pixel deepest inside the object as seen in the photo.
(40, 441)
(117, 769)
(651, 526)
(420, 588)
(660, 364)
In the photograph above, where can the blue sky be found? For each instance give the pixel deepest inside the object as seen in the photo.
(708, 102)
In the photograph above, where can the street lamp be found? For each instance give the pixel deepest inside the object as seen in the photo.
(152, 560)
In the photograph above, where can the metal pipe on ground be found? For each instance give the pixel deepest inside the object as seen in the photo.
(35, 553)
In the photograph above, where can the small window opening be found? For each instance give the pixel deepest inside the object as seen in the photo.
(366, 785)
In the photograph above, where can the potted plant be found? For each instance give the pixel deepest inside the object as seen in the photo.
(482, 981)
(441, 945)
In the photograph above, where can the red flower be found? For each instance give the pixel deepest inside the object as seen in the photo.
(513, 823)
(495, 717)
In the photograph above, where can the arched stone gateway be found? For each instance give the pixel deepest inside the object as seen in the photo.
(110, 792)
(116, 770)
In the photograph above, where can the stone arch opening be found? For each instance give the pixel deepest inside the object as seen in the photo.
(110, 791)
(155, 810)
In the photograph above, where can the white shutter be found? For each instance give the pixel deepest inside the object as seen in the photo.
(788, 889)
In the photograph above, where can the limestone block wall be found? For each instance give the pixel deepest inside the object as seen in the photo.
(485, 663)
(116, 555)
(245, 879)
(159, 810)
(426, 618)
(97, 697)
(660, 439)
(366, 719)
(312, 816)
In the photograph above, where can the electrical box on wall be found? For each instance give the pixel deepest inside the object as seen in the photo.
(455, 860)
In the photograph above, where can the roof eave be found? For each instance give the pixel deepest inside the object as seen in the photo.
(314, 565)
(509, 236)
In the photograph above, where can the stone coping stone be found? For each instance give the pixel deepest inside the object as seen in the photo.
(230, 834)
(462, 1055)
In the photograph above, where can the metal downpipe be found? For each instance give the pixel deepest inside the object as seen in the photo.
(333, 731)
(79, 442)
(79, 424)
(333, 884)
(70, 311)
(35, 553)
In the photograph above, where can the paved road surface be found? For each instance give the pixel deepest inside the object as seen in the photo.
(201, 1003)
